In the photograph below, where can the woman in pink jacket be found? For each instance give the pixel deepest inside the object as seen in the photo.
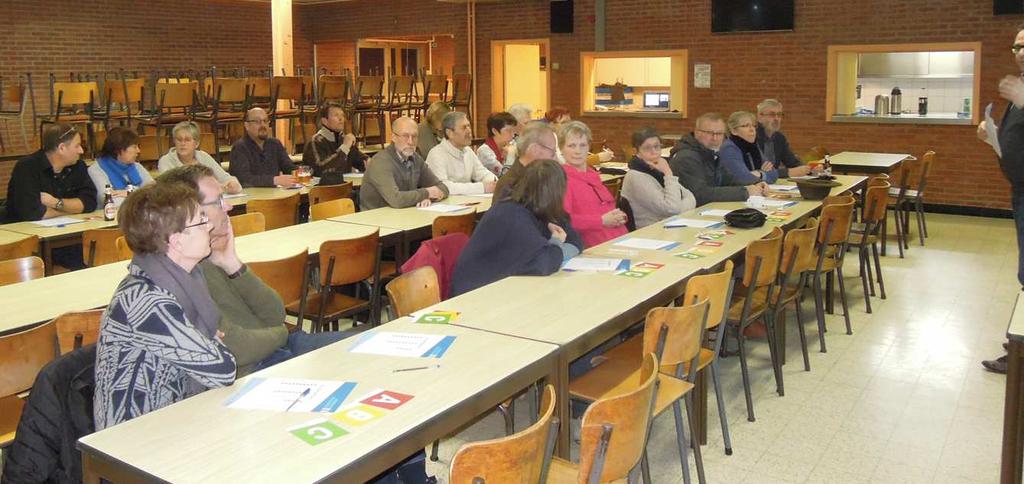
(589, 204)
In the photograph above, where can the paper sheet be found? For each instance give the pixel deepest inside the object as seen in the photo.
(783, 188)
(410, 345)
(651, 244)
(714, 212)
(286, 395)
(58, 221)
(593, 264)
(443, 208)
(990, 129)
(353, 175)
(228, 196)
(690, 222)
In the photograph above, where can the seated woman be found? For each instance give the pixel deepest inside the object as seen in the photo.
(654, 193)
(501, 129)
(430, 131)
(186, 152)
(116, 165)
(527, 234)
(591, 207)
(158, 340)
(557, 118)
(741, 156)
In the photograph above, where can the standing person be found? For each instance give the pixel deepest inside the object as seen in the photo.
(1011, 143)
(332, 152)
(454, 162)
(774, 144)
(258, 160)
(591, 207)
(497, 147)
(186, 152)
(397, 175)
(654, 193)
(117, 164)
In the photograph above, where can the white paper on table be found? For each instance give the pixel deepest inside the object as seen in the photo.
(397, 344)
(443, 207)
(762, 202)
(783, 188)
(234, 195)
(592, 264)
(481, 195)
(293, 187)
(990, 129)
(58, 221)
(690, 222)
(714, 212)
(639, 243)
(286, 395)
(353, 175)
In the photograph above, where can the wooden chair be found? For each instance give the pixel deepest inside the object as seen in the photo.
(342, 262)
(326, 193)
(450, 224)
(614, 186)
(248, 223)
(77, 329)
(123, 251)
(99, 246)
(875, 201)
(173, 103)
(413, 291)
(521, 458)
(675, 334)
(614, 433)
(798, 258)
(149, 149)
(291, 90)
(73, 103)
(898, 196)
(462, 92)
(911, 195)
(21, 269)
(278, 212)
(124, 99)
(22, 355)
(16, 98)
(230, 102)
(333, 208)
(761, 268)
(287, 277)
(20, 248)
(833, 232)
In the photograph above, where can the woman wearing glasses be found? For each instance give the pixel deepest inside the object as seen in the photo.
(186, 152)
(158, 340)
(653, 192)
(740, 154)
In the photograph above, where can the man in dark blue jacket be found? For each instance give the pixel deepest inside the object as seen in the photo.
(773, 143)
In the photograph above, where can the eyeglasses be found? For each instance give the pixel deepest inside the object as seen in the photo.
(219, 201)
(651, 148)
(258, 121)
(1015, 48)
(408, 136)
(203, 220)
(771, 114)
(70, 133)
(552, 150)
(711, 133)
(746, 125)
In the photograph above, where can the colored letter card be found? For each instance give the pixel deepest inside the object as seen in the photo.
(641, 269)
(403, 344)
(438, 317)
(317, 431)
(291, 395)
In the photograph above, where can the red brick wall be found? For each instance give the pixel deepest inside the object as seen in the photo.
(334, 56)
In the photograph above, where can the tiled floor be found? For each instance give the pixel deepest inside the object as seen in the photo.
(904, 399)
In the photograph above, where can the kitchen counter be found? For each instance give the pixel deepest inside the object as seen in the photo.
(635, 114)
(930, 118)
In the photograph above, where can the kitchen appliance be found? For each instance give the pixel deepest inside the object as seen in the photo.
(881, 105)
(896, 101)
(922, 103)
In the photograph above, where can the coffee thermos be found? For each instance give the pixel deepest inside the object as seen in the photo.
(922, 103)
(896, 101)
(881, 105)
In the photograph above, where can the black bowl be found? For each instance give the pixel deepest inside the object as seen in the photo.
(815, 189)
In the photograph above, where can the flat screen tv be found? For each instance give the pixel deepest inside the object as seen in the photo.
(751, 15)
(1007, 7)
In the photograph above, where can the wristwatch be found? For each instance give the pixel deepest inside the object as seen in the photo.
(60, 204)
(239, 272)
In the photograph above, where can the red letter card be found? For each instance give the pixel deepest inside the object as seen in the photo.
(387, 399)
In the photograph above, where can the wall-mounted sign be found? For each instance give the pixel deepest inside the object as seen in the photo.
(702, 76)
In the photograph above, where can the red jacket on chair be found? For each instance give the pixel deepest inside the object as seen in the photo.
(441, 254)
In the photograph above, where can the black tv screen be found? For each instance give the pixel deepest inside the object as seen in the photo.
(1007, 7)
(751, 15)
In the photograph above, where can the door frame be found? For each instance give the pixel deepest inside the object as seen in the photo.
(498, 70)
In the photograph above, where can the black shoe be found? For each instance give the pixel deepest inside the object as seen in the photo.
(997, 365)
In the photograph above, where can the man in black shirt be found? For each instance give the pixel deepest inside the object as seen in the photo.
(52, 181)
(774, 144)
(258, 160)
(332, 152)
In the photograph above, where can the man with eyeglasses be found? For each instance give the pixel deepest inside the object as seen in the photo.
(52, 181)
(774, 144)
(536, 142)
(695, 161)
(258, 160)
(397, 176)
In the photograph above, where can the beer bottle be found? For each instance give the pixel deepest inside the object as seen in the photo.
(108, 204)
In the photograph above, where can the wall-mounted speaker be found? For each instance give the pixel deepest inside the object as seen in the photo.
(561, 16)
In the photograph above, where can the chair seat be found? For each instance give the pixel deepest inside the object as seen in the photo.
(757, 306)
(72, 118)
(286, 113)
(631, 349)
(339, 305)
(615, 377)
(167, 119)
(857, 239)
(563, 471)
(895, 192)
(220, 116)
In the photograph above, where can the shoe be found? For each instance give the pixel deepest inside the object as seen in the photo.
(997, 365)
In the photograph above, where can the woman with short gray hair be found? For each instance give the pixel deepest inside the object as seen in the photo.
(186, 152)
(740, 155)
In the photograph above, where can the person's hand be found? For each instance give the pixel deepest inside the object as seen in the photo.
(232, 186)
(662, 166)
(767, 166)
(605, 155)
(489, 186)
(48, 201)
(219, 335)
(347, 142)
(801, 170)
(982, 133)
(423, 203)
(614, 218)
(435, 193)
(557, 232)
(757, 173)
(1011, 88)
(222, 248)
(285, 180)
(755, 190)
(510, 150)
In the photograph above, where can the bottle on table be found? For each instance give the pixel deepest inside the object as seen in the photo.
(109, 209)
(826, 166)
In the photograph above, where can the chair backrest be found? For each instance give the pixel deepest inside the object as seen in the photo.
(12, 94)
(715, 289)
(259, 86)
(230, 90)
(176, 95)
(369, 86)
(879, 179)
(435, 85)
(834, 227)
(331, 208)
(23, 354)
(623, 204)
(875, 201)
(837, 200)
(75, 93)
(20, 248)
(614, 187)
(333, 89)
(99, 246)
(326, 193)
(684, 332)
(149, 149)
(628, 415)
(21, 269)
(413, 291)
(767, 250)
(925, 168)
(818, 152)
(801, 243)
(248, 223)
(288, 88)
(450, 224)
(126, 91)
(285, 276)
(123, 251)
(353, 259)
(516, 459)
(77, 329)
(278, 212)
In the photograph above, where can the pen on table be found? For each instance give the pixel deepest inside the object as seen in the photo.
(469, 204)
(415, 368)
(301, 395)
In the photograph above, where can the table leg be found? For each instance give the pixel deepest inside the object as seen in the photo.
(47, 253)
(559, 378)
(700, 408)
(1013, 423)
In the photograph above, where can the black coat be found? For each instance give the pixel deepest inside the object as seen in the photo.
(1011, 143)
(58, 412)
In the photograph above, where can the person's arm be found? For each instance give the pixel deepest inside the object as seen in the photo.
(147, 178)
(99, 180)
(429, 179)
(487, 158)
(356, 158)
(262, 336)
(480, 172)
(437, 164)
(1011, 140)
(241, 169)
(167, 163)
(694, 177)
(731, 159)
(379, 175)
(284, 162)
(548, 256)
(652, 198)
(785, 154)
(218, 172)
(23, 189)
(575, 205)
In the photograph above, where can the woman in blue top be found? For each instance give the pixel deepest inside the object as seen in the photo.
(740, 155)
(116, 165)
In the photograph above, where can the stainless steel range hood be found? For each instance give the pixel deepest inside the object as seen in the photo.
(921, 65)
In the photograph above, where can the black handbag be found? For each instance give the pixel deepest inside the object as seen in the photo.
(745, 218)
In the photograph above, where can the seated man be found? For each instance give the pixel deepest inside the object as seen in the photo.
(773, 143)
(454, 162)
(258, 160)
(252, 313)
(397, 176)
(537, 142)
(52, 181)
(695, 161)
(332, 152)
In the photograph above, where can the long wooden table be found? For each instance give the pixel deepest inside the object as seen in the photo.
(1013, 410)
(288, 241)
(7, 236)
(239, 445)
(62, 235)
(858, 162)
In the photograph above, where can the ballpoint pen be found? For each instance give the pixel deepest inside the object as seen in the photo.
(416, 368)
(301, 395)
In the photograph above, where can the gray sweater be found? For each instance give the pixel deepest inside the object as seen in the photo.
(652, 202)
(392, 182)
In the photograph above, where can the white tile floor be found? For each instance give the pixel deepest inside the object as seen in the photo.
(904, 399)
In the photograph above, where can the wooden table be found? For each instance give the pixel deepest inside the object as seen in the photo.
(1013, 411)
(238, 445)
(61, 236)
(288, 241)
(858, 162)
(31, 302)
(7, 237)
